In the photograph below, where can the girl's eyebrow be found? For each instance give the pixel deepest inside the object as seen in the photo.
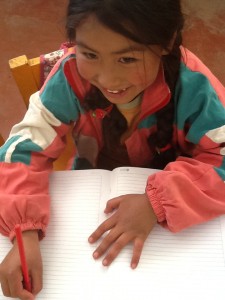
(131, 48)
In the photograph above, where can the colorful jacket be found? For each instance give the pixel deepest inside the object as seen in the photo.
(188, 191)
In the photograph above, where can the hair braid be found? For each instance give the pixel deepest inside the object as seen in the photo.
(112, 126)
(165, 117)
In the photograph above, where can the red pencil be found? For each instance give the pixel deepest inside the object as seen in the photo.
(26, 279)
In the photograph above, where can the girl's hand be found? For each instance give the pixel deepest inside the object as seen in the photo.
(10, 269)
(133, 220)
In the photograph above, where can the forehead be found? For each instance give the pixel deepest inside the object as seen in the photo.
(92, 33)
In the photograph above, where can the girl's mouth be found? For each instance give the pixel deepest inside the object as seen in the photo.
(116, 91)
(114, 94)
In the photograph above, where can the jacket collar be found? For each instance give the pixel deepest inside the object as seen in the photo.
(156, 96)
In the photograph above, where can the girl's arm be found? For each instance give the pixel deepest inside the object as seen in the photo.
(186, 193)
(27, 156)
(192, 190)
(25, 165)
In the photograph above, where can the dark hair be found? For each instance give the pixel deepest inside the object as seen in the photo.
(148, 22)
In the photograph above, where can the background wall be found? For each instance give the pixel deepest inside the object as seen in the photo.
(205, 32)
(37, 27)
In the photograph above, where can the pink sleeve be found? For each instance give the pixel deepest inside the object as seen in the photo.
(185, 193)
(24, 199)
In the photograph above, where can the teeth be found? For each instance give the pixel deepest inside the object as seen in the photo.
(116, 91)
(113, 92)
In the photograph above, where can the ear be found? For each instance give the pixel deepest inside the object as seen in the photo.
(170, 45)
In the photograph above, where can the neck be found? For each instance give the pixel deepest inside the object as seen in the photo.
(133, 103)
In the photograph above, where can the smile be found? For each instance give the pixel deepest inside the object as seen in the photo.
(116, 91)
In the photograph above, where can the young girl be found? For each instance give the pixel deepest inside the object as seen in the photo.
(135, 97)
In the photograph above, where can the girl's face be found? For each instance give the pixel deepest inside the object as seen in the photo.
(119, 67)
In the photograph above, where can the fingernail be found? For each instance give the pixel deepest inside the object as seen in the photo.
(95, 255)
(90, 239)
(133, 266)
(105, 262)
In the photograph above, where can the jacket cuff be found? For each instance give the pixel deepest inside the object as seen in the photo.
(30, 226)
(155, 202)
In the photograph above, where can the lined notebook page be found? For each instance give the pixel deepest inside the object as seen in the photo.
(199, 247)
(187, 265)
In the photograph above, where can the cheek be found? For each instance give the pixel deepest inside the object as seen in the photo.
(137, 78)
(84, 69)
(145, 74)
(143, 78)
(151, 72)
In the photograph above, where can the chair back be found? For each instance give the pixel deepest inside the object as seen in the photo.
(28, 75)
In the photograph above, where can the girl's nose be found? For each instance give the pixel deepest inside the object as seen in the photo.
(109, 79)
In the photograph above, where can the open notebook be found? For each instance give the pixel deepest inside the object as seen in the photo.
(188, 265)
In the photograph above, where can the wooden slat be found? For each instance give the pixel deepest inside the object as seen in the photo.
(1, 140)
(62, 161)
(35, 65)
(23, 76)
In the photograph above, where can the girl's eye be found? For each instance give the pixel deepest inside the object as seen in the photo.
(89, 55)
(127, 60)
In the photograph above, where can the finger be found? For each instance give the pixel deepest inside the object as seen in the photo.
(18, 291)
(21, 293)
(112, 204)
(15, 291)
(5, 288)
(104, 227)
(15, 284)
(137, 250)
(25, 295)
(112, 236)
(115, 249)
(16, 287)
(37, 281)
